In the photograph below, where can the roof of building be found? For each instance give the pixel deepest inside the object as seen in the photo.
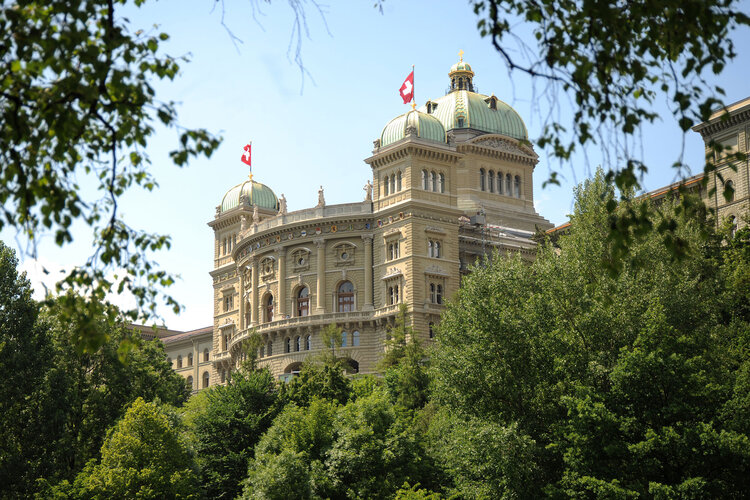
(165, 334)
(186, 335)
(256, 193)
(426, 127)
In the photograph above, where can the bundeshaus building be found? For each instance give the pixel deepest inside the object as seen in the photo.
(451, 181)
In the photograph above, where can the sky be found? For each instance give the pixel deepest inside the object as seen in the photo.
(316, 129)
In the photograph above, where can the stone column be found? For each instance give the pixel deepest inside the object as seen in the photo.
(281, 300)
(254, 311)
(320, 300)
(367, 239)
(241, 276)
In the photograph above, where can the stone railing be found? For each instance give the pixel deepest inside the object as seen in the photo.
(345, 209)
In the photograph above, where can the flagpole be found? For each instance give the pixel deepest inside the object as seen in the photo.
(413, 92)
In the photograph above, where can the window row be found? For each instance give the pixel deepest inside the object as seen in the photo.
(506, 185)
(227, 244)
(304, 343)
(206, 379)
(189, 359)
(392, 183)
(344, 300)
(433, 181)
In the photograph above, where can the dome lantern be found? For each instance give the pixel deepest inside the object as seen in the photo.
(461, 75)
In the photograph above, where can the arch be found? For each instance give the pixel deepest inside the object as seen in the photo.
(287, 345)
(190, 359)
(350, 365)
(482, 181)
(441, 182)
(393, 295)
(298, 343)
(345, 297)
(179, 361)
(302, 299)
(439, 294)
(385, 186)
(206, 380)
(491, 181)
(293, 368)
(308, 342)
(268, 308)
(433, 181)
(437, 249)
(269, 348)
(425, 180)
(398, 181)
(432, 332)
(355, 338)
(499, 182)
(393, 183)
(432, 293)
(344, 336)
(518, 186)
(508, 185)
(206, 354)
(190, 382)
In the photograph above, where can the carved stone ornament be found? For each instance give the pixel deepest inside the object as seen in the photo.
(376, 143)
(451, 137)
(321, 198)
(501, 145)
(282, 205)
(411, 130)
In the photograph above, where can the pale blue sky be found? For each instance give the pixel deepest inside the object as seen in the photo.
(320, 136)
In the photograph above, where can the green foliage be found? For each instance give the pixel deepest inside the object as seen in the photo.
(142, 457)
(79, 105)
(319, 380)
(618, 62)
(621, 385)
(331, 336)
(414, 492)
(234, 418)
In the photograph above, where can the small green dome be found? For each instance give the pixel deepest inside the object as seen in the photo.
(465, 109)
(427, 126)
(460, 66)
(257, 194)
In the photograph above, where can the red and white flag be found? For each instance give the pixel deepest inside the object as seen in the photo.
(246, 156)
(407, 89)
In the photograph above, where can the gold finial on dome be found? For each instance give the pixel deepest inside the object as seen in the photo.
(461, 56)
(413, 105)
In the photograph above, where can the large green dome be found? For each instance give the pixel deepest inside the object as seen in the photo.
(427, 127)
(257, 194)
(465, 109)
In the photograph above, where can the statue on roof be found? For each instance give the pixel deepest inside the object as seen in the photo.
(243, 223)
(321, 198)
(282, 205)
(368, 190)
(256, 217)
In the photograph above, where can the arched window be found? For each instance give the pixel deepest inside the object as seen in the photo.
(206, 379)
(393, 295)
(393, 252)
(268, 306)
(441, 181)
(393, 183)
(298, 343)
(355, 338)
(385, 186)
(518, 186)
(308, 343)
(190, 382)
(508, 185)
(179, 361)
(425, 181)
(287, 345)
(303, 302)
(269, 348)
(190, 359)
(224, 341)
(430, 251)
(432, 333)
(437, 249)
(491, 181)
(482, 181)
(343, 339)
(398, 180)
(205, 354)
(433, 181)
(432, 292)
(729, 190)
(346, 297)
(499, 183)
(439, 294)
(262, 351)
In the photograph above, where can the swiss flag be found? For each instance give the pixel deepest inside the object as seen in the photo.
(407, 89)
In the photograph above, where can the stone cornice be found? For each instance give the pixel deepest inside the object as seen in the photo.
(501, 148)
(720, 124)
(408, 148)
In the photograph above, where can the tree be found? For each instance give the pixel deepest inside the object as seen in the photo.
(226, 431)
(322, 380)
(78, 103)
(142, 457)
(618, 384)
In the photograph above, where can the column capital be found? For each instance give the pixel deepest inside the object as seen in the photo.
(281, 251)
(368, 236)
(319, 241)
